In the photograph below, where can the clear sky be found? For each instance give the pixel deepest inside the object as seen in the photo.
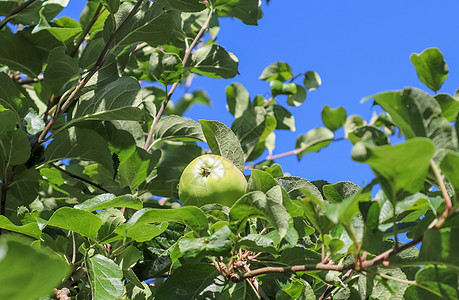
(359, 48)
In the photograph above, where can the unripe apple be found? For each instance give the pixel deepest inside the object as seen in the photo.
(211, 179)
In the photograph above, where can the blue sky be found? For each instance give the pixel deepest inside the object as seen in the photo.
(359, 48)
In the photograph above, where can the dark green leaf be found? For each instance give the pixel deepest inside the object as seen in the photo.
(298, 97)
(280, 71)
(434, 283)
(418, 114)
(21, 262)
(111, 5)
(400, 169)
(138, 167)
(333, 119)
(8, 119)
(299, 256)
(255, 204)
(19, 54)
(368, 134)
(352, 123)
(213, 61)
(237, 99)
(313, 141)
(337, 192)
(14, 149)
(222, 141)
(61, 70)
(431, 68)
(191, 216)
(439, 247)
(183, 5)
(25, 184)
(79, 144)
(247, 11)
(312, 81)
(279, 88)
(261, 181)
(105, 278)
(187, 282)
(218, 243)
(109, 201)
(80, 221)
(257, 243)
(115, 101)
(167, 68)
(178, 128)
(284, 119)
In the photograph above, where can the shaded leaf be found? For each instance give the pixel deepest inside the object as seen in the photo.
(312, 80)
(237, 99)
(213, 61)
(313, 141)
(167, 68)
(280, 71)
(178, 128)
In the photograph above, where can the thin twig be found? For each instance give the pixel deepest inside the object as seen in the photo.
(74, 248)
(174, 86)
(86, 31)
(15, 11)
(80, 178)
(444, 192)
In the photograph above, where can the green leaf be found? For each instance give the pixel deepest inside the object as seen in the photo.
(30, 229)
(77, 220)
(298, 97)
(255, 204)
(82, 144)
(237, 99)
(108, 201)
(312, 80)
(8, 119)
(257, 243)
(299, 256)
(217, 244)
(61, 70)
(279, 88)
(14, 149)
(167, 68)
(434, 282)
(431, 68)
(191, 216)
(111, 5)
(417, 114)
(284, 119)
(333, 118)
(138, 167)
(222, 141)
(449, 106)
(105, 278)
(247, 11)
(25, 184)
(10, 97)
(19, 54)
(254, 124)
(400, 169)
(150, 24)
(280, 71)
(337, 192)
(368, 134)
(213, 61)
(187, 282)
(372, 237)
(178, 128)
(439, 247)
(111, 218)
(450, 167)
(261, 181)
(183, 5)
(115, 101)
(313, 141)
(21, 262)
(352, 123)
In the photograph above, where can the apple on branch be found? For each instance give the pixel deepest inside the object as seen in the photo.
(211, 179)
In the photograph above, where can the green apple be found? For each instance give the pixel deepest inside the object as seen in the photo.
(210, 179)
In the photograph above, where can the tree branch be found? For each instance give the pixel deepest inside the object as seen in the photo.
(80, 178)
(15, 11)
(174, 86)
(86, 31)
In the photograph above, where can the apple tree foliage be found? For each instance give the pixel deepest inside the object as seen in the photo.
(93, 142)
